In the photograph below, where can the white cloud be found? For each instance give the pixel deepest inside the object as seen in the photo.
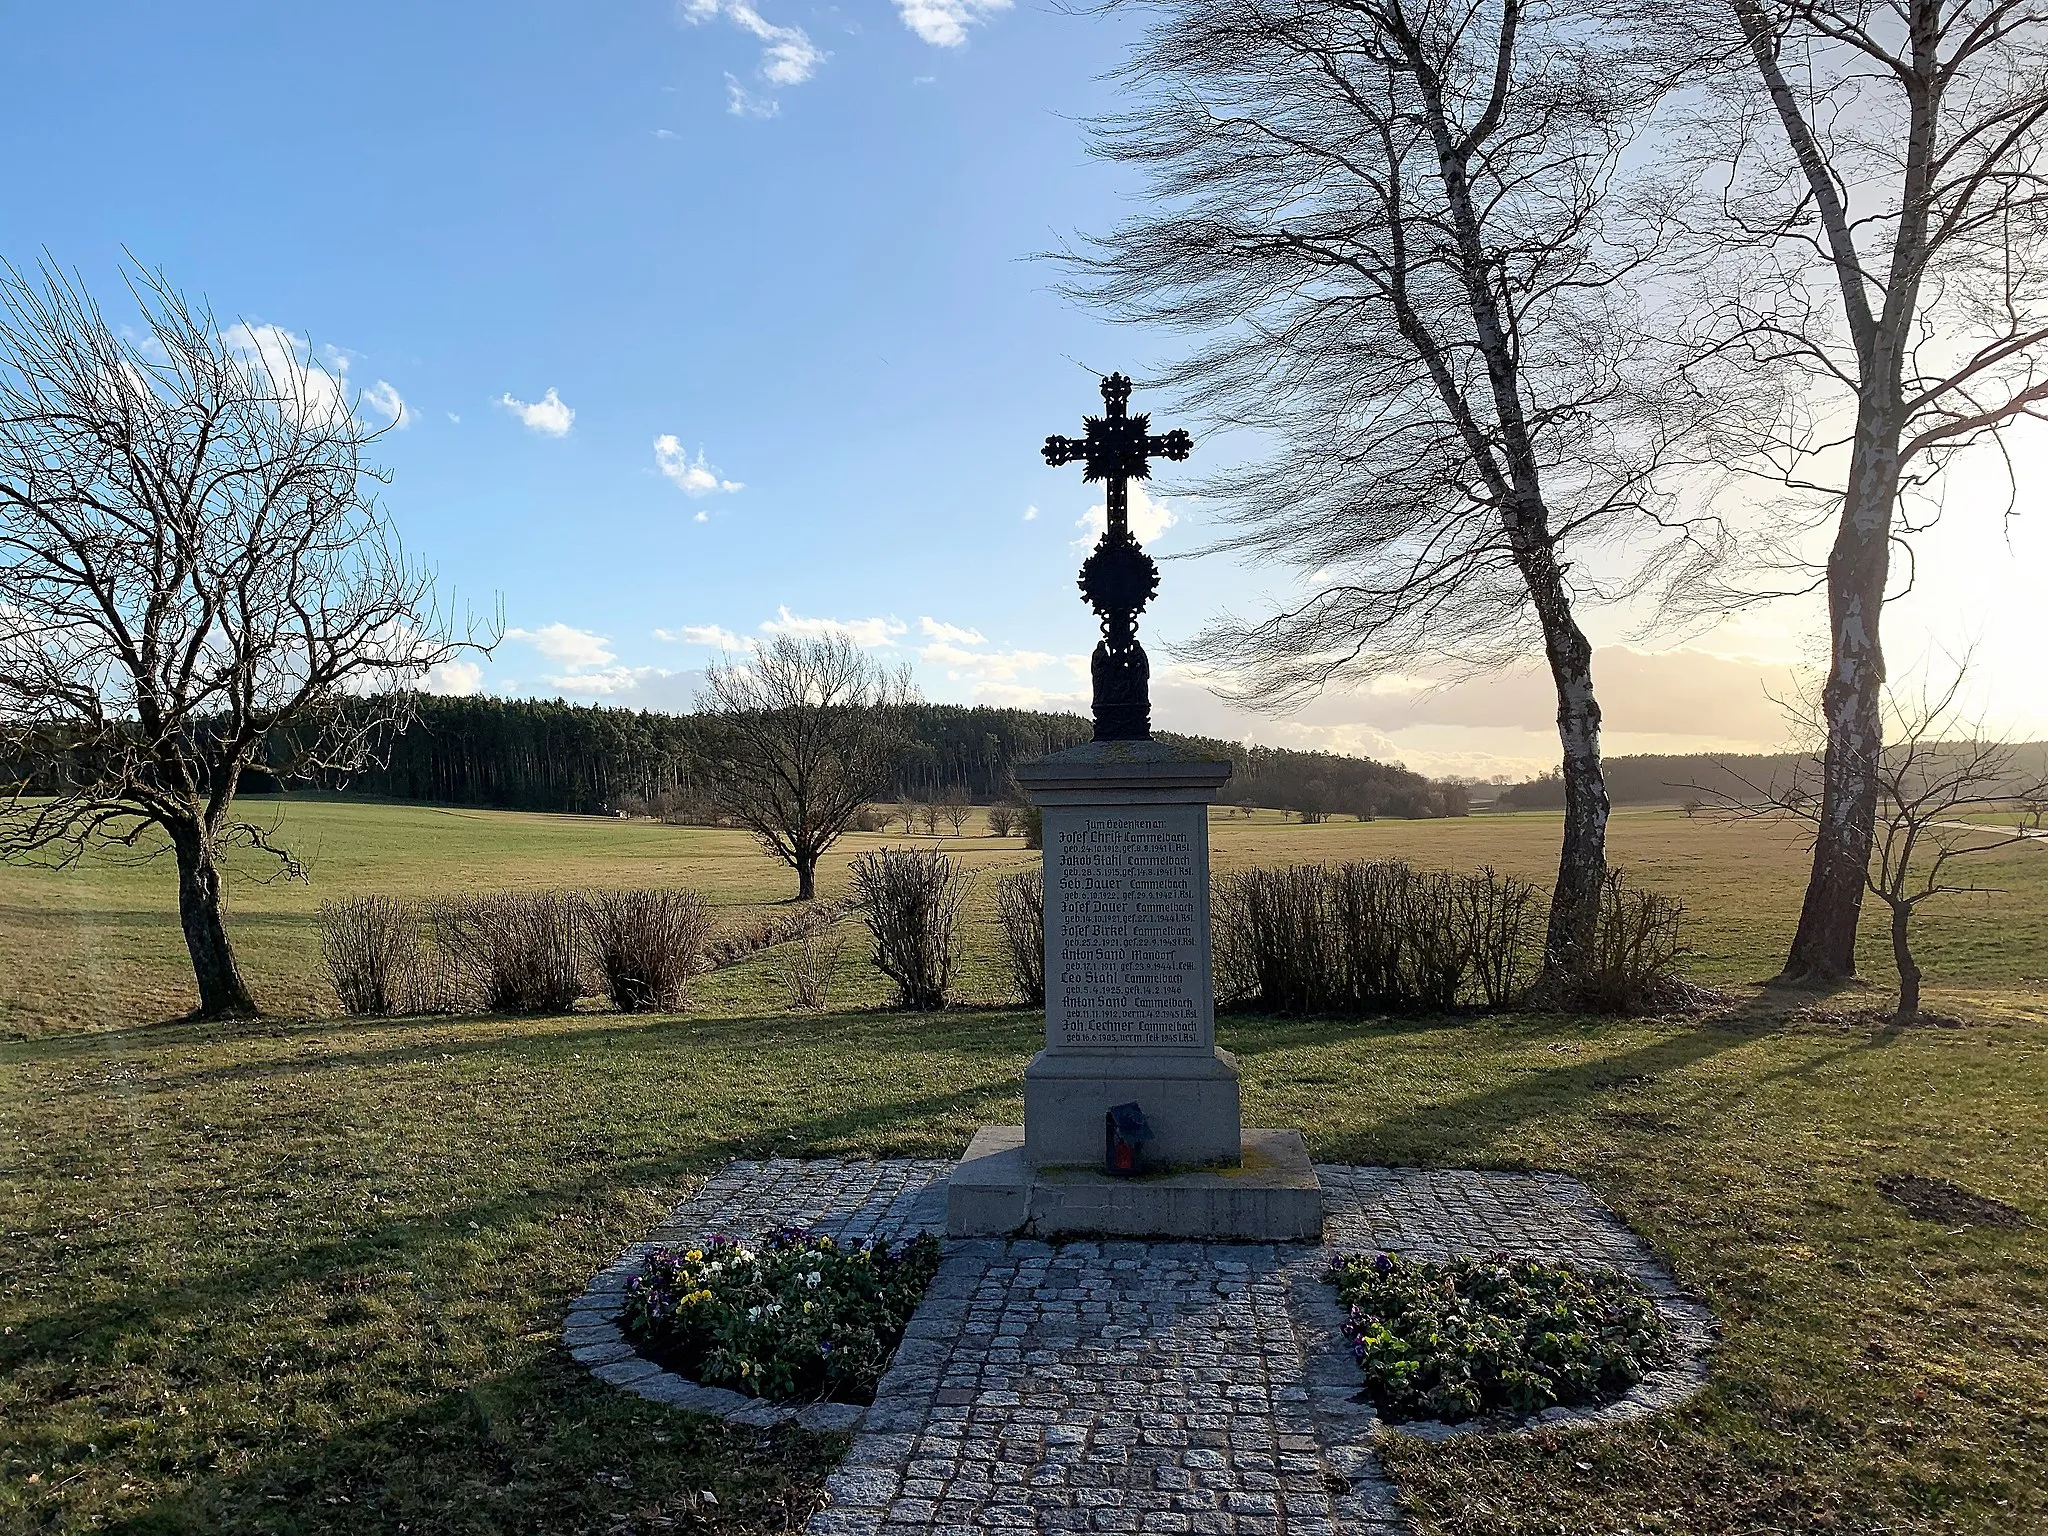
(741, 102)
(702, 634)
(953, 632)
(654, 688)
(983, 666)
(1031, 514)
(691, 477)
(1149, 518)
(944, 23)
(788, 56)
(547, 415)
(315, 393)
(386, 401)
(455, 418)
(453, 678)
(862, 631)
(1016, 696)
(566, 646)
(584, 666)
(606, 682)
(665, 133)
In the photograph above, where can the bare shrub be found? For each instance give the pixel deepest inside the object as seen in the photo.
(807, 965)
(1438, 948)
(446, 981)
(1500, 914)
(1369, 911)
(768, 929)
(1002, 820)
(1636, 951)
(372, 948)
(646, 945)
(1363, 937)
(1280, 954)
(911, 900)
(1020, 904)
(511, 951)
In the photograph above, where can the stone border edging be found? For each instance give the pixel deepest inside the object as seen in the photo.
(595, 1339)
(1334, 1382)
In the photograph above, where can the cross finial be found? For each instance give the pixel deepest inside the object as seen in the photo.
(1119, 578)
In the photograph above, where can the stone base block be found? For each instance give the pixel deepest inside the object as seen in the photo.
(1190, 1099)
(1271, 1196)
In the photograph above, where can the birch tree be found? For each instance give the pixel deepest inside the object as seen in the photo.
(1397, 228)
(1882, 206)
(1949, 792)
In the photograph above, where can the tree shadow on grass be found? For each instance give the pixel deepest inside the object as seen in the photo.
(538, 1447)
(96, 1330)
(1443, 1132)
(979, 1033)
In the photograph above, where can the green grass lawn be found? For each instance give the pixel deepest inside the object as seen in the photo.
(306, 1275)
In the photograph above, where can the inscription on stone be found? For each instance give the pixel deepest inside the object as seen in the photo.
(1131, 910)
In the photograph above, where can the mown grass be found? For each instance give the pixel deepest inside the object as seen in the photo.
(306, 1274)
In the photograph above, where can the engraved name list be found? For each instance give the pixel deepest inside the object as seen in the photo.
(1129, 916)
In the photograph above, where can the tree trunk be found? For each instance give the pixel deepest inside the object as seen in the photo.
(806, 876)
(1582, 859)
(222, 992)
(1902, 953)
(1824, 945)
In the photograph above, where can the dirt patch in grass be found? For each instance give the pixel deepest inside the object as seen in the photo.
(1874, 1018)
(1926, 1199)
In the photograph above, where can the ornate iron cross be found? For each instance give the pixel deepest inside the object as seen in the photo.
(1119, 578)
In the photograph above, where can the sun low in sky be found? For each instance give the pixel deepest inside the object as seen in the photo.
(700, 323)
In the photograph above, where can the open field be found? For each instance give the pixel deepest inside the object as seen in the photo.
(98, 947)
(305, 1274)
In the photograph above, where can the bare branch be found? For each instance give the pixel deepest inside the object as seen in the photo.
(196, 579)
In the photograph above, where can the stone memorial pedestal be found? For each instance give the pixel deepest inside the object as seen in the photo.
(1130, 1018)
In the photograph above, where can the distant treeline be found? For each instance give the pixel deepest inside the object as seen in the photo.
(1682, 778)
(547, 755)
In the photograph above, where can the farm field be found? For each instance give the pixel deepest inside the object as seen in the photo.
(306, 1274)
(98, 947)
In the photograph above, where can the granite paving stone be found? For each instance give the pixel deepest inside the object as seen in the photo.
(1189, 1388)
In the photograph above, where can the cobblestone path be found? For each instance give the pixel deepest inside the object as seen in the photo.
(1153, 1387)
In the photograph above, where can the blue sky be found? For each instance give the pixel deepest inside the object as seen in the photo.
(720, 316)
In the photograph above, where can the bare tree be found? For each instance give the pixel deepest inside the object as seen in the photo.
(1395, 224)
(928, 813)
(1883, 197)
(813, 730)
(956, 807)
(1935, 773)
(1002, 820)
(195, 579)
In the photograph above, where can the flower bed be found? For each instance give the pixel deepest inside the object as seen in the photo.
(801, 1319)
(1451, 1341)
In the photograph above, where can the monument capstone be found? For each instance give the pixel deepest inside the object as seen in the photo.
(1129, 998)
